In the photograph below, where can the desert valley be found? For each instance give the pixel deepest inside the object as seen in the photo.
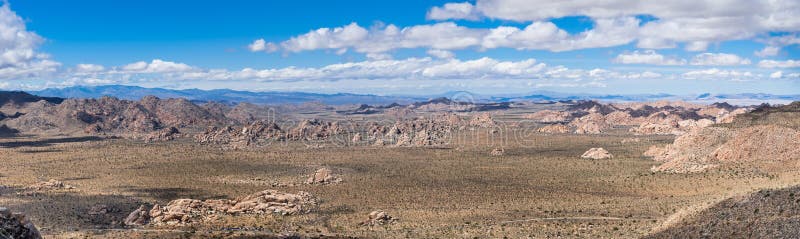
(440, 168)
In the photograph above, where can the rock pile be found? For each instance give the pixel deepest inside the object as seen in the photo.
(255, 134)
(554, 129)
(415, 133)
(713, 146)
(314, 130)
(498, 152)
(323, 176)
(378, 217)
(597, 153)
(16, 225)
(51, 184)
(182, 211)
(138, 217)
(482, 120)
(593, 123)
(549, 116)
(165, 134)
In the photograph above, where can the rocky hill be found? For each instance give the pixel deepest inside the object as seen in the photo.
(763, 214)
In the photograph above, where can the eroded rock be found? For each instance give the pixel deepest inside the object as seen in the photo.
(597, 153)
(16, 225)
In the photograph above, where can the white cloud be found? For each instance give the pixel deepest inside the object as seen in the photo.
(440, 53)
(262, 45)
(18, 56)
(379, 56)
(88, 68)
(776, 75)
(715, 73)
(463, 10)
(768, 51)
(450, 36)
(696, 23)
(648, 57)
(779, 64)
(718, 59)
(156, 66)
(697, 46)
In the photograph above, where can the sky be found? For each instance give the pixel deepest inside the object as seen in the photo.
(423, 47)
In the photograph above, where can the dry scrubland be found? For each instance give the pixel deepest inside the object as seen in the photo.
(540, 188)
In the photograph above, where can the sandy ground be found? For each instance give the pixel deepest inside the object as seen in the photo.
(539, 188)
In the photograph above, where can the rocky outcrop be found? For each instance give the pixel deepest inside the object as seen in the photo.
(759, 143)
(713, 146)
(597, 153)
(16, 225)
(378, 217)
(554, 129)
(593, 123)
(258, 133)
(549, 116)
(165, 134)
(415, 133)
(138, 217)
(768, 213)
(187, 211)
(498, 152)
(482, 120)
(314, 130)
(689, 152)
(323, 176)
(51, 184)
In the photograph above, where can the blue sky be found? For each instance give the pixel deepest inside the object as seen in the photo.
(406, 47)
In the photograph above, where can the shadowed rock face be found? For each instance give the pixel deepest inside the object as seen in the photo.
(763, 214)
(20, 98)
(16, 225)
(5, 131)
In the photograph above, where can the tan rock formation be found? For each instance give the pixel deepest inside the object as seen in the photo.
(554, 129)
(378, 217)
(323, 176)
(597, 153)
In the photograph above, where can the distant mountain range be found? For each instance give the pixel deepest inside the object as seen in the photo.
(273, 98)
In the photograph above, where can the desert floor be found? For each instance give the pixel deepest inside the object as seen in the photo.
(539, 188)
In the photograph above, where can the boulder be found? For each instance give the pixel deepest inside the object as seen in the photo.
(183, 211)
(16, 225)
(597, 153)
(138, 217)
(554, 129)
(323, 176)
(51, 184)
(498, 152)
(549, 116)
(378, 217)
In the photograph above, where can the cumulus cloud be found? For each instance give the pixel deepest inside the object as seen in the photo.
(440, 53)
(542, 35)
(88, 68)
(156, 66)
(776, 75)
(718, 59)
(696, 22)
(767, 51)
(648, 57)
(18, 55)
(262, 45)
(454, 11)
(715, 73)
(779, 64)
(427, 68)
